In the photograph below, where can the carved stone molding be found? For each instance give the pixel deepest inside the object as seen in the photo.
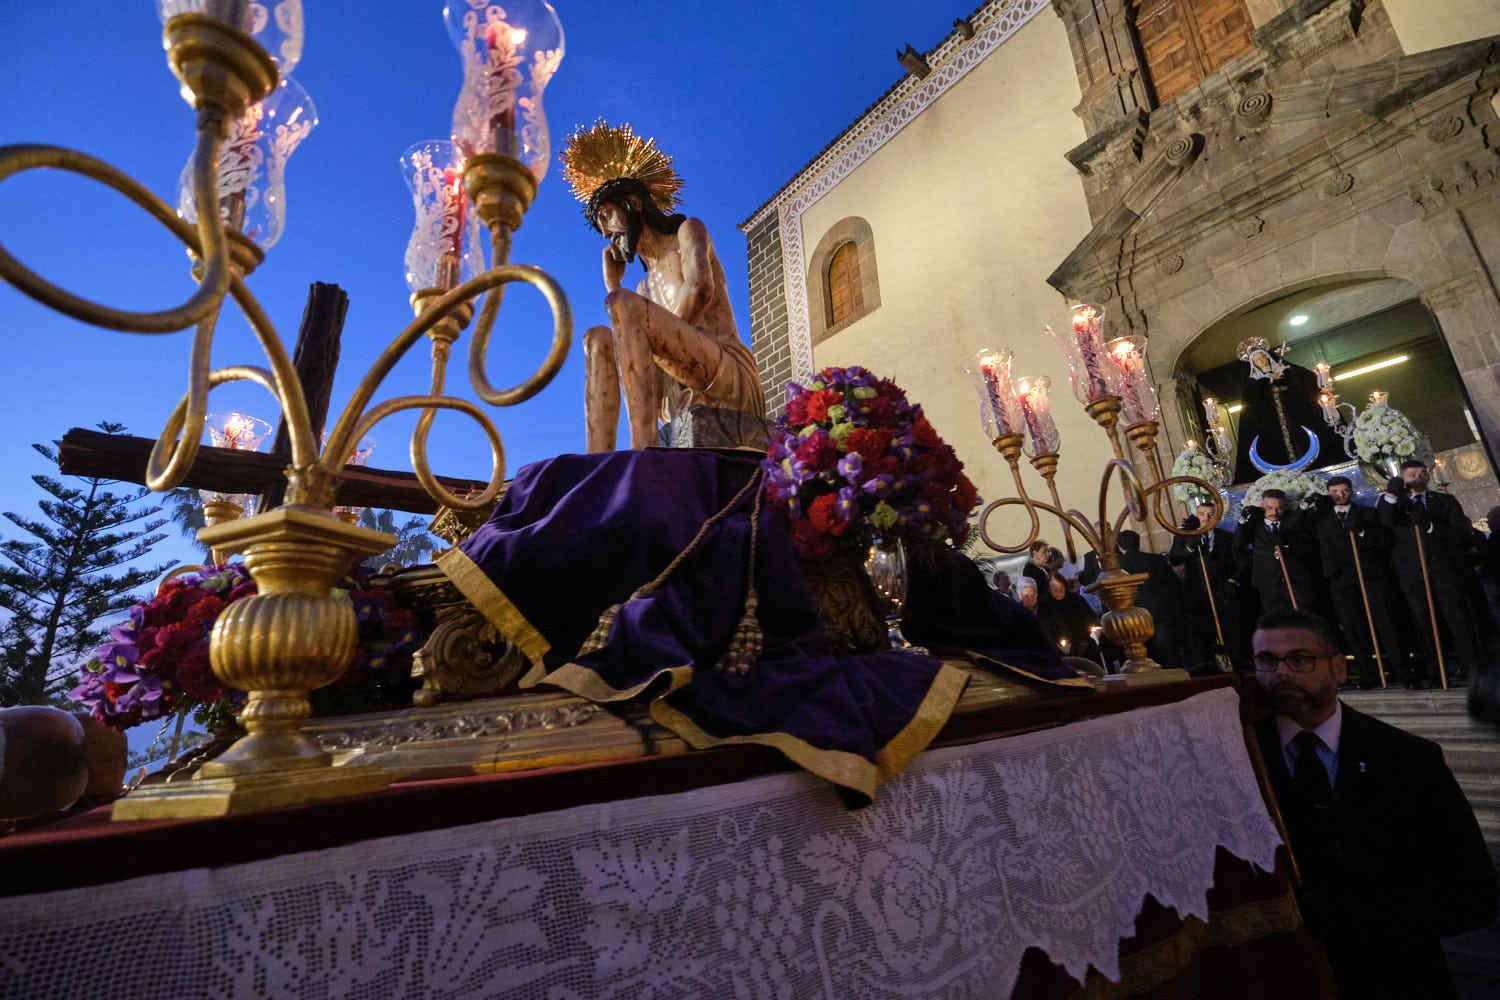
(1254, 108)
(1172, 263)
(1445, 129)
(1339, 184)
(1249, 226)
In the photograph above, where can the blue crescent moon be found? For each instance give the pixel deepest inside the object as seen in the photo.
(1308, 457)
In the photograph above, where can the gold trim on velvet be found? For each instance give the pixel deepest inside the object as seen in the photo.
(1162, 961)
(980, 660)
(838, 766)
(587, 683)
(947, 687)
(491, 602)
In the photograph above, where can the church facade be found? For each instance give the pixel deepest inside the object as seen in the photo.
(1190, 165)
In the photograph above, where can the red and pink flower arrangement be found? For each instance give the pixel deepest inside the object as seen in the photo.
(851, 457)
(156, 662)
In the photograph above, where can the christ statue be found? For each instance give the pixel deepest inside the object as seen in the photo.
(672, 344)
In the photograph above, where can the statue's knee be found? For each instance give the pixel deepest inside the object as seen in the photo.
(598, 340)
(622, 302)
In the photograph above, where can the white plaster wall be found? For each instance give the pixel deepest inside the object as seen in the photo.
(972, 205)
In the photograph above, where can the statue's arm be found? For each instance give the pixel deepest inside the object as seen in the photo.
(697, 292)
(614, 268)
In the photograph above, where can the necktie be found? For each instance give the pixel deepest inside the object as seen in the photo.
(1310, 778)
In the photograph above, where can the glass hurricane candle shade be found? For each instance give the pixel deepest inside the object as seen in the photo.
(275, 26)
(1042, 436)
(1325, 376)
(509, 52)
(999, 409)
(1137, 396)
(1089, 372)
(444, 249)
(885, 563)
(252, 165)
(239, 432)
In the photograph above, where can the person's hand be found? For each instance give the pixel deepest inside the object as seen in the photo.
(1394, 486)
(1190, 523)
(1309, 502)
(104, 749)
(1248, 513)
(614, 268)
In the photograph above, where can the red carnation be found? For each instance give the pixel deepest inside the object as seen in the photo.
(809, 541)
(879, 412)
(968, 496)
(819, 402)
(871, 444)
(195, 674)
(205, 611)
(796, 411)
(924, 435)
(818, 452)
(822, 513)
(172, 642)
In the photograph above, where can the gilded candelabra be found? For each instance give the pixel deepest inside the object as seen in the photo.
(296, 634)
(1111, 381)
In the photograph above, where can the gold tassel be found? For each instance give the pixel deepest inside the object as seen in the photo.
(745, 648)
(600, 636)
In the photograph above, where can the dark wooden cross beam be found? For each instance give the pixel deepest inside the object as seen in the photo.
(316, 357)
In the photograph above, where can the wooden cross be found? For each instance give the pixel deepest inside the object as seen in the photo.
(224, 470)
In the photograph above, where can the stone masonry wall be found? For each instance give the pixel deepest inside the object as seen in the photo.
(768, 318)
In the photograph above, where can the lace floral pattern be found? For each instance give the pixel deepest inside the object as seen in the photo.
(764, 888)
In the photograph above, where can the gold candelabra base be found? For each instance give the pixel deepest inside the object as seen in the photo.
(290, 637)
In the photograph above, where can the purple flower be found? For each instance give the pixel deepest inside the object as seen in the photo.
(851, 465)
(114, 655)
(847, 504)
(880, 486)
(145, 693)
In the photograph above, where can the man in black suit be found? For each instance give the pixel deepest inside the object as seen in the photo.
(1391, 857)
(1339, 525)
(1036, 569)
(1409, 508)
(1161, 595)
(1209, 590)
(1272, 548)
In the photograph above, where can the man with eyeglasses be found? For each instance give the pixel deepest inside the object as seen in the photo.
(1391, 857)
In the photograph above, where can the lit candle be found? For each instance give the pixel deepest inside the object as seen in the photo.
(1378, 398)
(1088, 334)
(503, 74)
(1221, 438)
(1064, 645)
(994, 368)
(1328, 403)
(1192, 445)
(1036, 410)
(1325, 376)
(1136, 398)
(1211, 411)
(450, 263)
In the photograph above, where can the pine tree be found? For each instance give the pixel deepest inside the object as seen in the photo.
(412, 541)
(185, 507)
(64, 585)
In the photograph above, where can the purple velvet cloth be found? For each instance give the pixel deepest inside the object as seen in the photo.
(579, 533)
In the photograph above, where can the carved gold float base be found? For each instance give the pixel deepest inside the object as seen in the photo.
(247, 793)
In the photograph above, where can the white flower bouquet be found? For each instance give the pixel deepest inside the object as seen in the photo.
(1383, 432)
(1295, 485)
(1191, 461)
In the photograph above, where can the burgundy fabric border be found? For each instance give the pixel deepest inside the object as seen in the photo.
(89, 849)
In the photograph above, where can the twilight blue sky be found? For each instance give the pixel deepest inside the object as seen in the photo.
(740, 94)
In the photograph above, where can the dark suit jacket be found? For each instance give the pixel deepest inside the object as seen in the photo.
(1219, 559)
(1393, 865)
(1333, 544)
(1161, 593)
(1447, 543)
(1255, 553)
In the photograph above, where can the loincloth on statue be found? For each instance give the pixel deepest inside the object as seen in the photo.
(736, 385)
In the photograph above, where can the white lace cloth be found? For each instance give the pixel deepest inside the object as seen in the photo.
(764, 888)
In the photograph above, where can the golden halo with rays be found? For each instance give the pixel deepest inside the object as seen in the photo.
(604, 152)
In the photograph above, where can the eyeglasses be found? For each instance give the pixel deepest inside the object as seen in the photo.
(1299, 661)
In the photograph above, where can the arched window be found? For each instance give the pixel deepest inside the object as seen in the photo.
(1184, 41)
(843, 280)
(845, 297)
